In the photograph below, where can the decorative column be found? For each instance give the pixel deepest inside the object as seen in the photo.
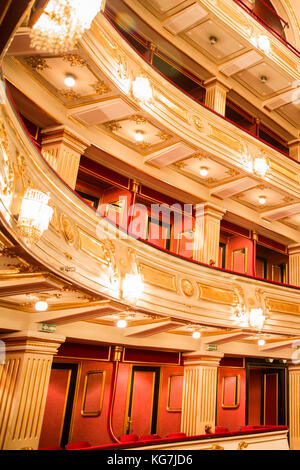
(215, 97)
(207, 233)
(294, 406)
(294, 265)
(24, 379)
(294, 147)
(199, 393)
(62, 149)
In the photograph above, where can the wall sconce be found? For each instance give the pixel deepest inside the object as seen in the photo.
(141, 89)
(35, 215)
(133, 287)
(263, 43)
(256, 318)
(260, 166)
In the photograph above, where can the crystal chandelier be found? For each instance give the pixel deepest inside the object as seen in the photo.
(62, 24)
(35, 215)
(133, 287)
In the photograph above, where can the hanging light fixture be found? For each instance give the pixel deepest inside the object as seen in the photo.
(262, 200)
(35, 215)
(133, 287)
(62, 24)
(204, 171)
(261, 342)
(141, 89)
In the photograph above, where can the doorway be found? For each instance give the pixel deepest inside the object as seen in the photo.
(266, 395)
(143, 392)
(59, 405)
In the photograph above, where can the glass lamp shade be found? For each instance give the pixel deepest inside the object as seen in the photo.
(141, 89)
(133, 287)
(35, 215)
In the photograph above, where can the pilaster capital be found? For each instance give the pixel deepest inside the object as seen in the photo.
(202, 359)
(33, 342)
(294, 249)
(217, 83)
(62, 134)
(207, 208)
(294, 142)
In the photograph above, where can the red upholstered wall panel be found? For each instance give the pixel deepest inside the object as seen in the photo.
(238, 243)
(231, 418)
(86, 428)
(168, 422)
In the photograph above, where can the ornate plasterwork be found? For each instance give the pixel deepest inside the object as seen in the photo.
(100, 87)
(75, 60)
(37, 63)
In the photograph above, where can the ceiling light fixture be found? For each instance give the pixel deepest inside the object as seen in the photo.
(41, 305)
(213, 40)
(261, 342)
(262, 200)
(70, 81)
(139, 136)
(62, 24)
(121, 323)
(141, 89)
(35, 215)
(263, 79)
(196, 334)
(204, 171)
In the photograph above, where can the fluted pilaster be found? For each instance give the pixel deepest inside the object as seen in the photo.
(62, 149)
(199, 393)
(294, 406)
(215, 97)
(24, 379)
(207, 233)
(294, 265)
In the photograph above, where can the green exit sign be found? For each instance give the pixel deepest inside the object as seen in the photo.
(48, 328)
(212, 347)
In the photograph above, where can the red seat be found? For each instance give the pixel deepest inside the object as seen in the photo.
(129, 438)
(51, 448)
(176, 435)
(77, 445)
(221, 430)
(149, 437)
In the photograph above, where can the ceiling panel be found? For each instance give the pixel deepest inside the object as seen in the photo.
(225, 46)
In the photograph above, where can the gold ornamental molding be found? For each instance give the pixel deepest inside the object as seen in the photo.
(217, 294)
(226, 139)
(281, 306)
(284, 171)
(93, 247)
(157, 277)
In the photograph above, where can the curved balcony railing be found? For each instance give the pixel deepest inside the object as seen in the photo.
(264, 23)
(85, 249)
(107, 16)
(100, 254)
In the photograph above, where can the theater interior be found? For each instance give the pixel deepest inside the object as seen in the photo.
(149, 225)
